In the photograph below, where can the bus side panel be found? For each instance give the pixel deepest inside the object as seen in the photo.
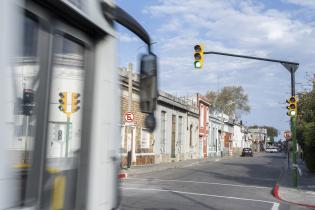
(9, 185)
(104, 148)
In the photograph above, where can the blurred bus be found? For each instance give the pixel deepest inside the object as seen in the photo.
(59, 103)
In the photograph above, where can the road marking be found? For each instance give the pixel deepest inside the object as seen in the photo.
(274, 204)
(196, 182)
(192, 164)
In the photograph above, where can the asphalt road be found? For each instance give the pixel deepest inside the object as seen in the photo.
(238, 183)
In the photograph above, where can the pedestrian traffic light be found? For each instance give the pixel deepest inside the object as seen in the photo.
(63, 102)
(292, 107)
(198, 55)
(75, 102)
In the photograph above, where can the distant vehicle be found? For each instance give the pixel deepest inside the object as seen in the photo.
(247, 152)
(271, 149)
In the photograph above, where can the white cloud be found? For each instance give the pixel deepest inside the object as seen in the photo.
(304, 3)
(243, 27)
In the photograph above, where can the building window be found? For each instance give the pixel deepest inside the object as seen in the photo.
(145, 139)
(163, 133)
(180, 126)
(190, 136)
(207, 116)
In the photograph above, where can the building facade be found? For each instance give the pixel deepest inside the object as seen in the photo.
(215, 140)
(137, 143)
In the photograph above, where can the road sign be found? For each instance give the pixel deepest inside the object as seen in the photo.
(129, 117)
(287, 135)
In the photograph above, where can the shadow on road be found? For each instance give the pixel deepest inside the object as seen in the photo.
(240, 171)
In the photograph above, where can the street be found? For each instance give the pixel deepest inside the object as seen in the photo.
(233, 183)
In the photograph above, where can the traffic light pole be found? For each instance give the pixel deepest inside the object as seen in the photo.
(293, 132)
(291, 67)
(67, 136)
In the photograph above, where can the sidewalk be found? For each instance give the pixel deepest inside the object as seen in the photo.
(303, 195)
(135, 170)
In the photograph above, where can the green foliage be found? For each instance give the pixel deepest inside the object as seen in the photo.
(306, 126)
(231, 100)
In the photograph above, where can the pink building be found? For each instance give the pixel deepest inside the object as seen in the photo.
(203, 105)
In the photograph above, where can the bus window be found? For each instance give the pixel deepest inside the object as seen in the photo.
(26, 82)
(26, 74)
(65, 119)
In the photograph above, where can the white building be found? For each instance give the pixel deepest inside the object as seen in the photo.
(177, 129)
(215, 140)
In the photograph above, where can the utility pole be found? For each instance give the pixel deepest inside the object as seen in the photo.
(129, 129)
(291, 67)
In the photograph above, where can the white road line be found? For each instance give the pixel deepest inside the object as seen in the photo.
(274, 204)
(192, 164)
(196, 182)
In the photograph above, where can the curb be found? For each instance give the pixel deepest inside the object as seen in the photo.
(275, 193)
(122, 176)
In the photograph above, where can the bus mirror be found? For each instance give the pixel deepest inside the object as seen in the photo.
(148, 83)
(148, 88)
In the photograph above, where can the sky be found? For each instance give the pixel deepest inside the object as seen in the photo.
(277, 29)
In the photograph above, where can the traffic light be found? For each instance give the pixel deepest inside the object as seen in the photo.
(63, 102)
(292, 108)
(198, 55)
(75, 102)
(28, 102)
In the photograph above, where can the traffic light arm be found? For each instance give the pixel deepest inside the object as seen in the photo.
(253, 57)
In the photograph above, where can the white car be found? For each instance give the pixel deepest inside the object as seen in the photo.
(271, 149)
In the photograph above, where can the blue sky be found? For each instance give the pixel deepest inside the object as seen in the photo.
(279, 29)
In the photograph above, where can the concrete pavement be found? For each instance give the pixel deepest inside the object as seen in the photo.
(304, 194)
(236, 183)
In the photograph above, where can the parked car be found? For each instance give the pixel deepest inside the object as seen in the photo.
(271, 149)
(247, 152)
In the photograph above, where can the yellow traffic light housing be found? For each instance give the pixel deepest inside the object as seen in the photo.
(292, 108)
(198, 56)
(75, 102)
(63, 102)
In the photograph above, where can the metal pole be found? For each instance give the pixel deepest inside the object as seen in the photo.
(26, 137)
(129, 130)
(67, 135)
(293, 132)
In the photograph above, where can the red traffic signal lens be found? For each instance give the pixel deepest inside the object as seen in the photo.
(61, 95)
(197, 48)
(292, 99)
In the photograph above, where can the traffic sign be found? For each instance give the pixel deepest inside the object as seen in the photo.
(129, 117)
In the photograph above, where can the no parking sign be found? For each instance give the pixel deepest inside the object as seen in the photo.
(129, 117)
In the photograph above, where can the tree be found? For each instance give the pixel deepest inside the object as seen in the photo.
(306, 126)
(271, 131)
(231, 100)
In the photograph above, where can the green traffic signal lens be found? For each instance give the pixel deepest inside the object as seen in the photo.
(197, 64)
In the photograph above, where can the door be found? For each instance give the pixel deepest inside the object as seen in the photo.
(173, 155)
(204, 146)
